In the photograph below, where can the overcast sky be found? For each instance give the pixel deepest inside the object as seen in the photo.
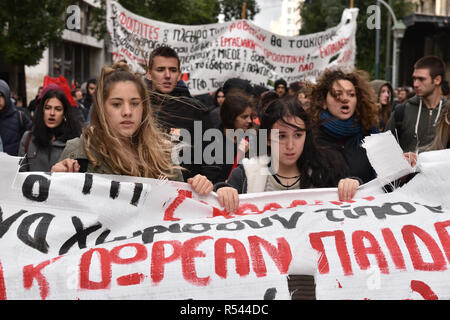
(269, 10)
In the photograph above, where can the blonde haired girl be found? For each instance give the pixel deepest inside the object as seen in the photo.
(122, 137)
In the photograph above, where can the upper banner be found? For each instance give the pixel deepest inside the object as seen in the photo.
(210, 54)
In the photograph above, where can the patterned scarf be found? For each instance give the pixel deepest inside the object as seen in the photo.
(343, 129)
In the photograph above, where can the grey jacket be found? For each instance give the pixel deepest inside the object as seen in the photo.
(39, 158)
(75, 150)
(407, 137)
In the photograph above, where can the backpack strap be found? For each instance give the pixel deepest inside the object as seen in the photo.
(27, 142)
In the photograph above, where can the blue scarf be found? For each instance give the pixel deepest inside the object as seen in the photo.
(343, 129)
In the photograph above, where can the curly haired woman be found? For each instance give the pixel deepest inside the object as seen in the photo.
(343, 108)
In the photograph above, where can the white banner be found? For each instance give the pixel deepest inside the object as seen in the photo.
(89, 236)
(210, 54)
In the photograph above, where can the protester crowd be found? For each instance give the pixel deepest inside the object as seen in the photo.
(151, 126)
(129, 124)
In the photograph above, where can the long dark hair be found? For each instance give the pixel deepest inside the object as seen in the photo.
(68, 129)
(316, 165)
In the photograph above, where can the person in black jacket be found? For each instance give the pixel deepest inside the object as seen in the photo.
(175, 109)
(13, 122)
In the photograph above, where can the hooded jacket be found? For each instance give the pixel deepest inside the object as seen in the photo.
(414, 115)
(384, 113)
(11, 126)
(378, 84)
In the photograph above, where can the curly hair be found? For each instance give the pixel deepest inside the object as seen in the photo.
(366, 110)
(152, 154)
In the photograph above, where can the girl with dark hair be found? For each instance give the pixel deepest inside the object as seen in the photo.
(219, 98)
(294, 161)
(54, 123)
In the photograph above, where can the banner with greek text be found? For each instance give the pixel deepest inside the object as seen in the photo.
(210, 54)
(90, 236)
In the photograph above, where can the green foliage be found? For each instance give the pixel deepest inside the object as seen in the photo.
(320, 15)
(232, 9)
(29, 27)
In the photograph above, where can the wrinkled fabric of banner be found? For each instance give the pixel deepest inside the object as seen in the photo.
(89, 236)
(210, 54)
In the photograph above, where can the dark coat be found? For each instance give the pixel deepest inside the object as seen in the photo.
(353, 158)
(13, 123)
(39, 158)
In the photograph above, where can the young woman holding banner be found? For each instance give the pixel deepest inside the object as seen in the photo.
(298, 163)
(122, 136)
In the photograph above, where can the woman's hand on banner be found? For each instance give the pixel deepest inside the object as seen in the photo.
(66, 165)
(228, 198)
(200, 184)
(347, 189)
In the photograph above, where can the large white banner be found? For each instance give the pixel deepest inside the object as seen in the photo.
(89, 236)
(210, 54)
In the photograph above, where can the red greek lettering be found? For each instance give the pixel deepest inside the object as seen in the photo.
(423, 289)
(159, 259)
(2, 284)
(409, 235)
(444, 237)
(30, 273)
(169, 212)
(341, 247)
(105, 269)
(140, 255)
(188, 255)
(239, 254)
(361, 251)
(394, 249)
(281, 254)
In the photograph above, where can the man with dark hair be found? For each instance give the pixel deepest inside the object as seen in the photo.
(413, 122)
(281, 87)
(89, 97)
(174, 107)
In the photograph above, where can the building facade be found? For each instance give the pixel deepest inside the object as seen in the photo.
(78, 57)
(427, 33)
(289, 22)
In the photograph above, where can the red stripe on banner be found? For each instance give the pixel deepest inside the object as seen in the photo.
(2, 284)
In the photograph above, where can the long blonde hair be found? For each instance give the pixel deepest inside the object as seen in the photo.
(442, 131)
(153, 149)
